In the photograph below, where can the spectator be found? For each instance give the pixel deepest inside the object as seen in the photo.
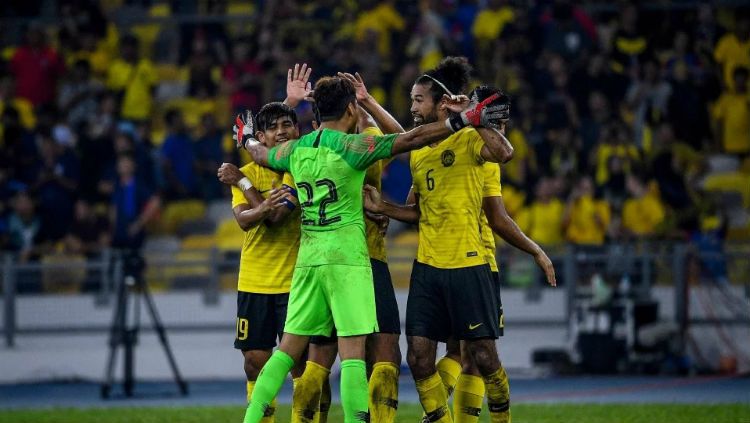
(242, 77)
(77, 98)
(18, 153)
(586, 219)
(133, 79)
(37, 68)
(209, 154)
(382, 20)
(594, 123)
(642, 213)
(55, 186)
(647, 99)
(629, 45)
(731, 114)
(686, 108)
(178, 158)
(89, 232)
(569, 32)
(24, 228)
(134, 205)
(8, 99)
(615, 141)
(733, 50)
(542, 220)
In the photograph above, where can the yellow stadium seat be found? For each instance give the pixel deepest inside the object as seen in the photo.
(178, 212)
(66, 280)
(229, 236)
(199, 242)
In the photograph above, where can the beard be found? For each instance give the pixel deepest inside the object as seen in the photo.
(420, 120)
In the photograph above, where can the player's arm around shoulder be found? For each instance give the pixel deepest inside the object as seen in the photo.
(248, 205)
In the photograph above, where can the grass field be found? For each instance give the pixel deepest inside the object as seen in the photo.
(408, 413)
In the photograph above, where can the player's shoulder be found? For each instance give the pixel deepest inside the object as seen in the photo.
(466, 134)
(249, 169)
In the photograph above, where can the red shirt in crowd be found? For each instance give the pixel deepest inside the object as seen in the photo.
(37, 72)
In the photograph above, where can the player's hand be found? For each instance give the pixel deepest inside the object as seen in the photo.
(543, 261)
(489, 107)
(381, 220)
(277, 198)
(359, 84)
(229, 174)
(298, 87)
(243, 131)
(373, 202)
(456, 103)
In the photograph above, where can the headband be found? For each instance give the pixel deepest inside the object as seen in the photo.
(439, 84)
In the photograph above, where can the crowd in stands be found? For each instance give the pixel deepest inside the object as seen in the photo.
(628, 122)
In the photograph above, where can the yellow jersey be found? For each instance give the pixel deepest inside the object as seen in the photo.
(733, 111)
(136, 81)
(490, 188)
(642, 216)
(375, 241)
(269, 253)
(583, 228)
(447, 179)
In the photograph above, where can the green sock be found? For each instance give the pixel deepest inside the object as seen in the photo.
(269, 383)
(354, 391)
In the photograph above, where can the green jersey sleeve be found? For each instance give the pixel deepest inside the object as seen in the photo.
(362, 150)
(278, 156)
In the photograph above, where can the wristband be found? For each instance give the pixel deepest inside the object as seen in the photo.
(244, 184)
(291, 190)
(455, 123)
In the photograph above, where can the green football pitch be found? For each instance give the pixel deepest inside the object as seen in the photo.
(522, 413)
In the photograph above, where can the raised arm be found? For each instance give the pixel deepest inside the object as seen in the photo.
(298, 87)
(408, 212)
(497, 148)
(506, 228)
(385, 121)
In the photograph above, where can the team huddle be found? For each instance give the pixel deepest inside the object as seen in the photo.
(313, 269)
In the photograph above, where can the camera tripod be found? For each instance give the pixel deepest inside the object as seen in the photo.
(131, 289)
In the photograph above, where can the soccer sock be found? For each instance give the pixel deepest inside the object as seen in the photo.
(467, 399)
(354, 391)
(268, 385)
(306, 397)
(498, 396)
(268, 416)
(325, 402)
(384, 392)
(434, 399)
(448, 369)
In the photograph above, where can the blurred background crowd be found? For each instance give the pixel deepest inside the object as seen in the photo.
(629, 121)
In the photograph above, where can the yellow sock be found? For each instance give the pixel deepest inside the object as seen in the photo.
(434, 399)
(306, 397)
(383, 392)
(498, 396)
(268, 417)
(325, 403)
(468, 398)
(448, 369)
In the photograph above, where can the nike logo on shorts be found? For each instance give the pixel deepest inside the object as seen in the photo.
(472, 327)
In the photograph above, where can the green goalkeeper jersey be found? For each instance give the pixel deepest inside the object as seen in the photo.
(329, 169)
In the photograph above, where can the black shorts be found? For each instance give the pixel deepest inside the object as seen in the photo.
(260, 320)
(500, 316)
(461, 303)
(386, 306)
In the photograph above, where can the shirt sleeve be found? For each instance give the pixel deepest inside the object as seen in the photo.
(278, 157)
(362, 150)
(475, 143)
(491, 186)
(238, 197)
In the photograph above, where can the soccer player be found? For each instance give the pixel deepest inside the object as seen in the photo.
(269, 251)
(452, 292)
(332, 282)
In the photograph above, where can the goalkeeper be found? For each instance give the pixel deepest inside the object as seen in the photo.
(332, 282)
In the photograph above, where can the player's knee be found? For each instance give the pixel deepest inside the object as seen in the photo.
(468, 366)
(484, 355)
(253, 364)
(420, 363)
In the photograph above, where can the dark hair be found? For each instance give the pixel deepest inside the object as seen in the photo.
(332, 96)
(268, 114)
(171, 116)
(741, 71)
(452, 72)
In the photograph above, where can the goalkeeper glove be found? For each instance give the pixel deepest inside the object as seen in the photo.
(488, 107)
(243, 131)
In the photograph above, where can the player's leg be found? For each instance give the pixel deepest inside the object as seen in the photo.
(312, 392)
(383, 351)
(307, 314)
(427, 323)
(449, 366)
(475, 307)
(351, 295)
(256, 338)
(469, 392)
